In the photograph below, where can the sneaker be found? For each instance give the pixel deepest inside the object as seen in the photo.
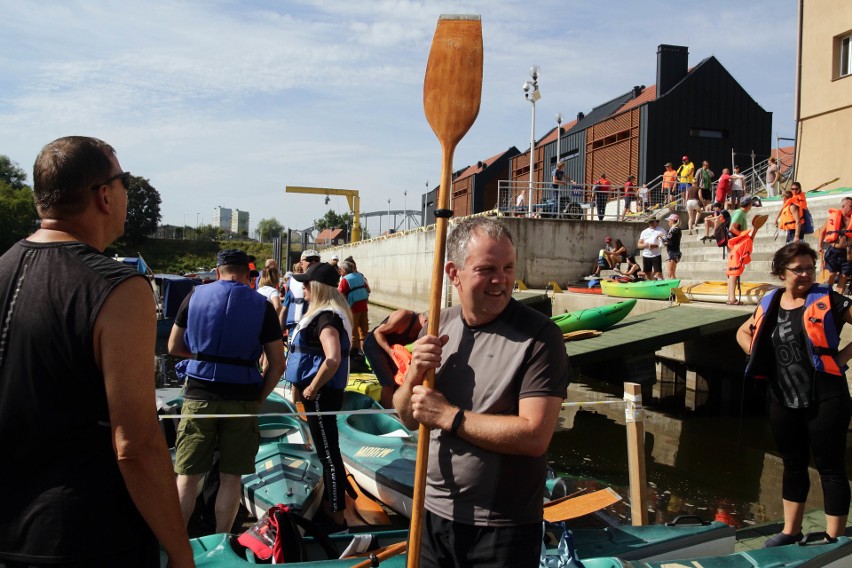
(699, 238)
(782, 539)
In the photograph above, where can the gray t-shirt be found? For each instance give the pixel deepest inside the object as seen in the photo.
(487, 369)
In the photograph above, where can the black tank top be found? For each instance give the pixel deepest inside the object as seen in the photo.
(62, 497)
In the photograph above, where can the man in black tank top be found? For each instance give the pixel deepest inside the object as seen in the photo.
(77, 332)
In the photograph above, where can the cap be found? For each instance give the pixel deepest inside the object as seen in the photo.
(685, 158)
(288, 275)
(746, 201)
(321, 272)
(232, 257)
(673, 217)
(608, 240)
(653, 220)
(668, 165)
(309, 253)
(335, 257)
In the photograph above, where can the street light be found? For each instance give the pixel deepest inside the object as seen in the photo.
(425, 199)
(389, 221)
(532, 94)
(404, 208)
(558, 137)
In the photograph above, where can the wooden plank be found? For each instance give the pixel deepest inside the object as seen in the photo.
(648, 332)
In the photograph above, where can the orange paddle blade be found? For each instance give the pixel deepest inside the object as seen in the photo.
(578, 506)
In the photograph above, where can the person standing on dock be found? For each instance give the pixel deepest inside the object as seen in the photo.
(356, 290)
(685, 174)
(79, 435)
(672, 241)
(668, 185)
(222, 328)
(793, 339)
(601, 190)
(704, 178)
(836, 233)
(501, 376)
(294, 300)
(650, 241)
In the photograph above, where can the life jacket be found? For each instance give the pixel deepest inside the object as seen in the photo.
(357, 288)
(223, 327)
(787, 222)
(800, 201)
(304, 359)
(297, 306)
(739, 255)
(834, 227)
(822, 337)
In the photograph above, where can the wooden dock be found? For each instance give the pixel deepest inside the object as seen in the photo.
(646, 333)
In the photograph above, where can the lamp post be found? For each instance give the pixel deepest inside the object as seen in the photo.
(532, 94)
(404, 207)
(558, 137)
(389, 221)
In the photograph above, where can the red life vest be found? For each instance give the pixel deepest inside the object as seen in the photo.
(834, 226)
(822, 337)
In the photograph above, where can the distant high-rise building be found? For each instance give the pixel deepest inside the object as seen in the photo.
(240, 222)
(222, 218)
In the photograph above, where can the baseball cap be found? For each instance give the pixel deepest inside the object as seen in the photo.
(685, 158)
(673, 217)
(608, 240)
(309, 253)
(653, 220)
(668, 165)
(321, 272)
(234, 257)
(335, 257)
(746, 201)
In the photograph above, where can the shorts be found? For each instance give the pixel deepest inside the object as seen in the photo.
(652, 264)
(836, 263)
(693, 205)
(673, 256)
(237, 439)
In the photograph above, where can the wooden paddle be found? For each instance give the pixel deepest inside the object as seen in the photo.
(382, 554)
(822, 185)
(573, 507)
(364, 510)
(581, 334)
(451, 94)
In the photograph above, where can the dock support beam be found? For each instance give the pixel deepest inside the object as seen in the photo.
(636, 453)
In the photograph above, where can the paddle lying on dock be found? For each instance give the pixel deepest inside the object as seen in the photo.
(452, 89)
(572, 507)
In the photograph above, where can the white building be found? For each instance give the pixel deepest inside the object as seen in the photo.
(240, 222)
(222, 218)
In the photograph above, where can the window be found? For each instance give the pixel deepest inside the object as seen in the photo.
(707, 133)
(843, 47)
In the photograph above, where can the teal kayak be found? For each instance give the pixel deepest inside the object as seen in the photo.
(599, 317)
(833, 555)
(646, 290)
(632, 544)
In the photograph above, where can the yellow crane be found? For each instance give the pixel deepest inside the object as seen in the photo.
(352, 198)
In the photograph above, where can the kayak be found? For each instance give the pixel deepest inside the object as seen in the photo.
(833, 555)
(287, 469)
(584, 290)
(631, 544)
(646, 290)
(717, 292)
(600, 317)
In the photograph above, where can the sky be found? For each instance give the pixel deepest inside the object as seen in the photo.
(224, 103)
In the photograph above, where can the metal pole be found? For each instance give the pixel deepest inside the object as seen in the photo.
(405, 207)
(532, 158)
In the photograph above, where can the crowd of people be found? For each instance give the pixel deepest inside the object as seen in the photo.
(500, 377)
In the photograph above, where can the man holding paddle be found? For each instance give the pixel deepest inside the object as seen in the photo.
(501, 378)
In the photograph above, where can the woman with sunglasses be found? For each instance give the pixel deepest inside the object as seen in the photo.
(801, 205)
(793, 340)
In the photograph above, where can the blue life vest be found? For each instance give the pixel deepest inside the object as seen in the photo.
(357, 288)
(223, 327)
(304, 360)
(822, 337)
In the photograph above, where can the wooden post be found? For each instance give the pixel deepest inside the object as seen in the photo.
(636, 453)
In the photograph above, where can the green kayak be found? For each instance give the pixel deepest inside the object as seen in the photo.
(599, 317)
(646, 290)
(834, 555)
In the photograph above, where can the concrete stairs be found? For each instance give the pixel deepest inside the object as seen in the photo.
(703, 261)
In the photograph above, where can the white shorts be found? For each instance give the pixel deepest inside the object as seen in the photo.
(693, 204)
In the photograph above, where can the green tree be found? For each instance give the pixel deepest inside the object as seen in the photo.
(332, 220)
(11, 173)
(268, 229)
(18, 215)
(143, 210)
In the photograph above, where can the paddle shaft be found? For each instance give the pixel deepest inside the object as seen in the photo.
(452, 89)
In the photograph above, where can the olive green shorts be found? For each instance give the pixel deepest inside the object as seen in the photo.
(237, 439)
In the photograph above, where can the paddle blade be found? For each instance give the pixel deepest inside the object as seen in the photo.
(571, 508)
(452, 87)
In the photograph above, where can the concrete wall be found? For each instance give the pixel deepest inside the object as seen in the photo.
(399, 266)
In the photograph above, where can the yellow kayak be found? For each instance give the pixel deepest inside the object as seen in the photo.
(749, 293)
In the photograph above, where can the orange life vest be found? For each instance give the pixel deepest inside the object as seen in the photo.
(822, 337)
(739, 254)
(787, 221)
(834, 226)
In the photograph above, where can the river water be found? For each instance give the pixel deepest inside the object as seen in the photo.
(706, 454)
